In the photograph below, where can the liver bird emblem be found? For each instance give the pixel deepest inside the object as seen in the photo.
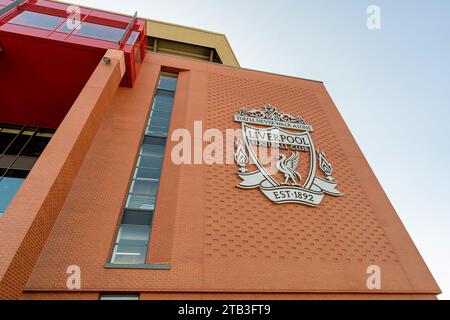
(288, 166)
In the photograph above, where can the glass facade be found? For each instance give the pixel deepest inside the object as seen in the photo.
(20, 147)
(131, 243)
(84, 28)
(37, 20)
(99, 31)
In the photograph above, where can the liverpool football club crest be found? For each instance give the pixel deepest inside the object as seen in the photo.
(279, 145)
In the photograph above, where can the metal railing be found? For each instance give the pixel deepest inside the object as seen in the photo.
(128, 29)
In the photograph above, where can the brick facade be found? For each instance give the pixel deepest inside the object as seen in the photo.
(220, 241)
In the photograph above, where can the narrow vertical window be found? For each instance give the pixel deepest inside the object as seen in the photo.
(132, 238)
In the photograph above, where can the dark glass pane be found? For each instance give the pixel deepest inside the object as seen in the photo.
(164, 99)
(151, 150)
(156, 131)
(167, 83)
(5, 140)
(144, 187)
(99, 31)
(141, 202)
(16, 173)
(150, 162)
(160, 127)
(19, 142)
(119, 297)
(133, 234)
(8, 189)
(137, 217)
(129, 254)
(155, 140)
(159, 122)
(150, 43)
(161, 113)
(21, 163)
(147, 173)
(38, 20)
(37, 144)
(157, 112)
(6, 161)
(162, 108)
(17, 145)
(163, 104)
(7, 134)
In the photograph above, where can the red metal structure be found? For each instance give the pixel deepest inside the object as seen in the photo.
(48, 52)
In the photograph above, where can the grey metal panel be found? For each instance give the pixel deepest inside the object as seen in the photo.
(24, 163)
(6, 161)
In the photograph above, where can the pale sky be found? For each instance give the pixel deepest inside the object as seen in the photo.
(392, 85)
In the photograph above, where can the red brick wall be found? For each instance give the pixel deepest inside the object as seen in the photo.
(231, 296)
(60, 296)
(217, 238)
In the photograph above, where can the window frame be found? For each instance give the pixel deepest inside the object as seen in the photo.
(119, 296)
(152, 140)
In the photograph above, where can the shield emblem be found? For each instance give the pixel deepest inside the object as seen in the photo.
(283, 157)
(285, 161)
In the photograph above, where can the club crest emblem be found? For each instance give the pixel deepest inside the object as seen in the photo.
(280, 147)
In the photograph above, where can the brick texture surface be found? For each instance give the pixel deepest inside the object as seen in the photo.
(230, 296)
(222, 242)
